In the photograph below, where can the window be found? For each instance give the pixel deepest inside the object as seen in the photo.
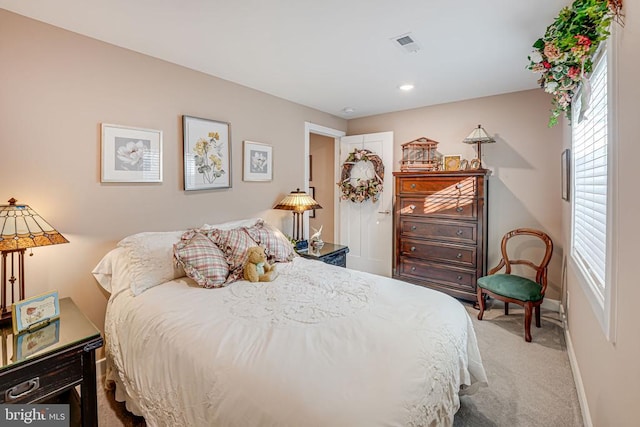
(592, 150)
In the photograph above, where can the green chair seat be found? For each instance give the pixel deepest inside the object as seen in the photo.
(511, 286)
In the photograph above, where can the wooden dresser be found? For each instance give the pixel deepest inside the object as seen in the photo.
(440, 230)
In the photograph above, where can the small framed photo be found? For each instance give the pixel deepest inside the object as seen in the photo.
(464, 164)
(474, 164)
(207, 153)
(258, 161)
(312, 193)
(451, 163)
(131, 154)
(565, 165)
(35, 312)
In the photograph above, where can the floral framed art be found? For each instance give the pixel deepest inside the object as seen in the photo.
(131, 154)
(207, 153)
(258, 161)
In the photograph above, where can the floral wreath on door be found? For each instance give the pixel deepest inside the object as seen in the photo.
(363, 189)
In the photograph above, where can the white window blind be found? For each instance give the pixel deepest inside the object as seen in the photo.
(590, 145)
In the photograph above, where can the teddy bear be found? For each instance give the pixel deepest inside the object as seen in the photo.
(257, 269)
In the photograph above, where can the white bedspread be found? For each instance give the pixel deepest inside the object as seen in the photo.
(319, 346)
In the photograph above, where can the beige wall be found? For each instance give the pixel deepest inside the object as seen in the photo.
(611, 371)
(524, 189)
(322, 150)
(57, 87)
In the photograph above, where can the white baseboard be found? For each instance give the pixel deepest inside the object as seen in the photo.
(577, 378)
(101, 369)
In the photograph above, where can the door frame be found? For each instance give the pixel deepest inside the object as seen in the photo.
(336, 134)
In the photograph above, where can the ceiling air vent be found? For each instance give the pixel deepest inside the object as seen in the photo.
(406, 42)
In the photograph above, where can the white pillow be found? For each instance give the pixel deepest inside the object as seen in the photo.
(151, 259)
(113, 272)
(232, 224)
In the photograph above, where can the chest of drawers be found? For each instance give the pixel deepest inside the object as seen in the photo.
(440, 229)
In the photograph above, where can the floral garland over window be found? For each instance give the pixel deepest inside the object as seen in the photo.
(563, 55)
(364, 188)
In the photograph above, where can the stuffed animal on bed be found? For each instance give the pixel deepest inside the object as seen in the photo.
(257, 269)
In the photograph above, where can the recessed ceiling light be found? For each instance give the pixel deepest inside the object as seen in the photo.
(348, 110)
(406, 87)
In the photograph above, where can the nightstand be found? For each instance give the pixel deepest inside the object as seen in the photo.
(330, 253)
(40, 365)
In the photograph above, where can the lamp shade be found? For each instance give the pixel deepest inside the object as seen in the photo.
(21, 227)
(298, 201)
(478, 136)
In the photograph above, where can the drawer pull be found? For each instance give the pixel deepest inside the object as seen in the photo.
(459, 277)
(459, 232)
(413, 269)
(459, 209)
(459, 256)
(413, 186)
(413, 227)
(413, 248)
(458, 186)
(22, 389)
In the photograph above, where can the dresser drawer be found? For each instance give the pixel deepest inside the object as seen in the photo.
(454, 231)
(450, 276)
(439, 252)
(444, 186)
(437, 206)
(43, 378)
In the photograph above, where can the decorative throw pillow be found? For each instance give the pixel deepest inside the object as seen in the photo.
(151, 259)
(277, 247)
(234, 243)
(202, 259)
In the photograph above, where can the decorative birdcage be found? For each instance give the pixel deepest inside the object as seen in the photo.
(420, 154)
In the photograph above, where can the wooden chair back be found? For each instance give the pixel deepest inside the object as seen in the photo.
(540, 269)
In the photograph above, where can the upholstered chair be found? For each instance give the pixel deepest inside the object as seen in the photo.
(512, 288)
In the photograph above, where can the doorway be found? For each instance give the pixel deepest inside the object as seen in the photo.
(322, 145)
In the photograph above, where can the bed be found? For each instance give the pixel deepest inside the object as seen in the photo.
(320, 345)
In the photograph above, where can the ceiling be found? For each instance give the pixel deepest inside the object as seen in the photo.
(325, 54)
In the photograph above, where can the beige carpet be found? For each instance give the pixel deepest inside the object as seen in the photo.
(530, 384)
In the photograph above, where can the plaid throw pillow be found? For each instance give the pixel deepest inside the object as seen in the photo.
(234, 244)
(277, 247)
(201, 259)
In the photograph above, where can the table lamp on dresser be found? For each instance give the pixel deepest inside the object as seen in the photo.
(479, 136)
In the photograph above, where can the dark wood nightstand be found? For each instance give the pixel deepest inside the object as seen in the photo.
(45, 363)
(330, 253)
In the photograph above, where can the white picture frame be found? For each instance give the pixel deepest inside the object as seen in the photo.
(35, 311)
(130, 154)
(257, 161)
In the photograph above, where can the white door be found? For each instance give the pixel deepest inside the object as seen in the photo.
(367, 227)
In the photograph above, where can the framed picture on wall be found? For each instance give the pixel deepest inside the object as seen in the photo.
(258, 161)
(207, 153)
(312, 193)
(131, 154)
(565, 165)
